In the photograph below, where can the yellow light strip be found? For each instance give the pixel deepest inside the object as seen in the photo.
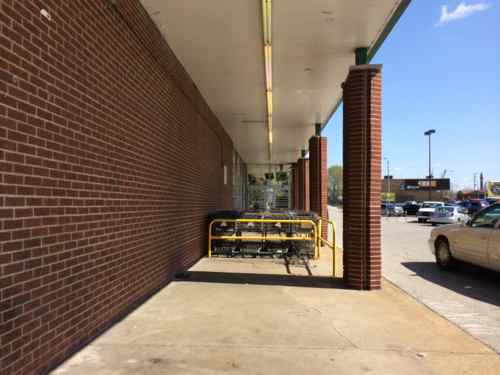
(267, 30)
(269, 103)
(270, 130)
(268, 57)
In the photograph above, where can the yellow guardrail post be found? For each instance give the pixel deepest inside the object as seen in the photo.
(334, 255)
(318, 243)
(210, 239)
(332, 245)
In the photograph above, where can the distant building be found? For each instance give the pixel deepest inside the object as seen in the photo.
(416, 189)
(493, 190)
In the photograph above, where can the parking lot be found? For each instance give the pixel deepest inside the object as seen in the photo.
(468, 296)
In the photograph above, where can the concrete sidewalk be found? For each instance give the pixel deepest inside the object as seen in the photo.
(242, 316)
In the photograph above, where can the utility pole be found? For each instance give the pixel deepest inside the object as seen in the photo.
(450, 173)
(429, 177)
(475, 184)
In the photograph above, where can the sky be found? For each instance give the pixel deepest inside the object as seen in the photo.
(441, 70)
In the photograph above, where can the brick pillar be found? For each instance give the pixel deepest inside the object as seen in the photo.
(295, 186)
(318, 179)
(362, 158)
(303, 184)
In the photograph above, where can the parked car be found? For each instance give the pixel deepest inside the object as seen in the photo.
(449, 215)
(476, 242)
(426, 210)
(411, 207)
(391, 209)
(398, 210)
(477, 205)
(492, 200)
(464, 204)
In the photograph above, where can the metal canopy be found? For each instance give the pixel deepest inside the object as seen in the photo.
(220, 43)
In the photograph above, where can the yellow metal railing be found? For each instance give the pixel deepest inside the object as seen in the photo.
(314, 227)
(332, 245)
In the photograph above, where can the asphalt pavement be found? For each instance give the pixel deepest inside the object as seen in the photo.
(468, 296)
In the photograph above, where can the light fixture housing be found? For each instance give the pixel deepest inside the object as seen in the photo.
(268, 68)
(430, 131)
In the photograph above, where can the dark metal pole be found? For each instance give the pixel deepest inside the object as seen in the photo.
(317, 129)
(361, 55)
(430, 177)
(475, 185)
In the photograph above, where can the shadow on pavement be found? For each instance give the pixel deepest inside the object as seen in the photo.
(262, 279)
(468, 280)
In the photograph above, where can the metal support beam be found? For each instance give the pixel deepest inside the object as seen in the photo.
(388, 27)
(317, 129)
(361, 55)
(376, 45)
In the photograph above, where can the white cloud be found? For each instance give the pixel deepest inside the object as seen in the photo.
(462, 11)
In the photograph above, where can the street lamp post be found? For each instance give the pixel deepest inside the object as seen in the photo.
(429, 133)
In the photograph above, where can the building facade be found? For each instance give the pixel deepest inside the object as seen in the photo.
(125, 123)
(415, 189)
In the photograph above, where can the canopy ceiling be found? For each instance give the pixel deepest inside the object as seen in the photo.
(220, 43)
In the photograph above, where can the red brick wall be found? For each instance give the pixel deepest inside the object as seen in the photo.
(318, 179)
(110, 160)
(303, 184)
(361, 178)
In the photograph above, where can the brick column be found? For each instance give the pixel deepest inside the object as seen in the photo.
(295, 186)
(318, 179)
(361, 192)
(303, 184)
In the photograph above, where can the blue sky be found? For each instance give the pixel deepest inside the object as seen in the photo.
(442, 75)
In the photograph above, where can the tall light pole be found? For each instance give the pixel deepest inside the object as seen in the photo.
(429, 133)
(450, 173)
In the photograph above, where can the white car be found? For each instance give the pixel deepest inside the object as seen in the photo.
(476, 242)
(449, 215)
(425, 212)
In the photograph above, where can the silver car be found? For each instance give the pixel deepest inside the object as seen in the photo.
(476, 242)
(391, 209)
(449, 215)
